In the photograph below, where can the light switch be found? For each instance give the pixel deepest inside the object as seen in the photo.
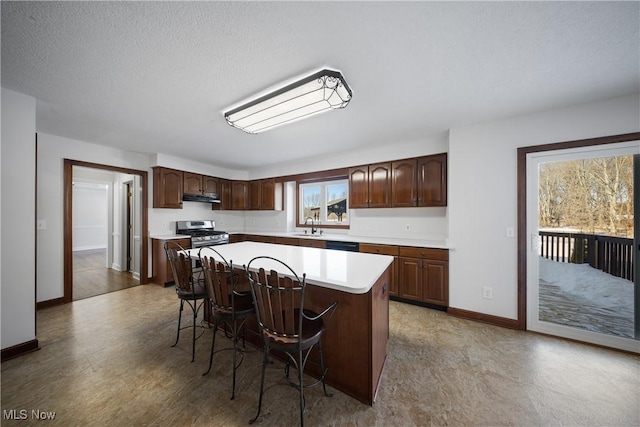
(41, 224)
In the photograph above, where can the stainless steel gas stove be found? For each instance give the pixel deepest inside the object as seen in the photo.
(203, 233)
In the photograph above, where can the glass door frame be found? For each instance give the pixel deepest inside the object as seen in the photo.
(524, 239)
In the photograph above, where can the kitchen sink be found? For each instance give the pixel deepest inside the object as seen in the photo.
(307, 235)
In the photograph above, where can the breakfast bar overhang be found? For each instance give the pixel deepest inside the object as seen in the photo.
(355, 339)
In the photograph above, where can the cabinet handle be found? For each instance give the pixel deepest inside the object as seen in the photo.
(384, 289)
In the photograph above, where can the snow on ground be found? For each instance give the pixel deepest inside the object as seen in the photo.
(584, 281)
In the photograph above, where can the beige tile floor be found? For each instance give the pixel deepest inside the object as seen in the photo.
(107, 360)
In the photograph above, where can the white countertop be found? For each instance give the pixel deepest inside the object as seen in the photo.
(169, 236)
(351, 272)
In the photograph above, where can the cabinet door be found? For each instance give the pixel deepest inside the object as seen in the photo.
(410, 278)
(255, 195)
(359, 187)
(192, 183)
(404, 191)
(210, 186)
(268, 194)
(167, 188)
(432, 180)
(385, 250)
(436, 282)
(380, 185)
(239, 195)
(225, 196)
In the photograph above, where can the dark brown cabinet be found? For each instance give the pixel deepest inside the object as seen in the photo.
(210, 186)
(385, 250)
(359, 187)
(370, 186)
(239, 195)
(162, 274)
(268, 194)
(404, 183)
(432, 180)
(167, 188)
(423, 275)
(192, 183)
(255, 195)
(226, 202)
(418, 181)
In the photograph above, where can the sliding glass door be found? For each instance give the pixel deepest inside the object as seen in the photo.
(581, 281)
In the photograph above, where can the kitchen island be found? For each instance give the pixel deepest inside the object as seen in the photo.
(355, 339)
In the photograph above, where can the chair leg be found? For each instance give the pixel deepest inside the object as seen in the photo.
(265, 360)
(323, 370)
(179, 319)
(234, 328)
(301, 387)
(193, 340)
(213, 343)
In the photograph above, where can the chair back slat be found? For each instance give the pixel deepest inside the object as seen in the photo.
(218, 275)
(278, 298)
(180, 266)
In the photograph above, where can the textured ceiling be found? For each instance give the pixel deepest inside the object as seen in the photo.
(156, 76)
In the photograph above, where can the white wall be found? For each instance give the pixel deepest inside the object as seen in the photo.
(482, 193)
(17, 218)
(90, 215)
(51, 152)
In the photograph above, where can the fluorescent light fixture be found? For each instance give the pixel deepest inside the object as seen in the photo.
(319, 92)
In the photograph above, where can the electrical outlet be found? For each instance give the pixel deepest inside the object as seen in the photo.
(510, 232)
(487, 292)
(41, 224)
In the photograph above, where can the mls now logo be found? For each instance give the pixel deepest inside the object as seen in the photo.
(23, 414)
(15, 414)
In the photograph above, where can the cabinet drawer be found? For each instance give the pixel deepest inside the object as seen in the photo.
(379, 249)
(312, 243)
(428, 253)
(292, 241)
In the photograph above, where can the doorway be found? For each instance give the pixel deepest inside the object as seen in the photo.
(112, 264)
(580, 275)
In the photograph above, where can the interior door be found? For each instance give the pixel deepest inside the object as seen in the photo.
(581, 281)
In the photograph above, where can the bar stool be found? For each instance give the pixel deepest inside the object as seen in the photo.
(228, 306)
(285, 324)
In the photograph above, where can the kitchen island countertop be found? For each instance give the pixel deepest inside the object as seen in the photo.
(351, 272)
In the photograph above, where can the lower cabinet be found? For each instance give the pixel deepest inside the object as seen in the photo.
(162, 274)
(385, 250)
(423, 275)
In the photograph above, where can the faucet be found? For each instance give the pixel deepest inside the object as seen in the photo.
(313, 230)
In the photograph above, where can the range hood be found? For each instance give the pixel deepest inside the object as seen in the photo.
(200, 198)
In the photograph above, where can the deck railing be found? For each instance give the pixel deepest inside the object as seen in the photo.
(613, 255)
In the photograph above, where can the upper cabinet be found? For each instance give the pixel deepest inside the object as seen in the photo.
(239, 195)
(268, 194)
(432, 180)
(402, 183)
(192, 183)
(167, 188)
(370, 186)
(210, 186)
(248, 195)
(200, 185)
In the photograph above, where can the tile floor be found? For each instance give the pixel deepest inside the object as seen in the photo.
(107, 360)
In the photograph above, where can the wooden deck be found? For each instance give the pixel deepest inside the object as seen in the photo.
(579, 312)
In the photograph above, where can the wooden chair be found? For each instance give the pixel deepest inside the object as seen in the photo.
(188, 288)
(284, 323)
(228, 306)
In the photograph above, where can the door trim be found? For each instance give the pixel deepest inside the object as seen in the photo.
(68, 221)
(522, 205)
